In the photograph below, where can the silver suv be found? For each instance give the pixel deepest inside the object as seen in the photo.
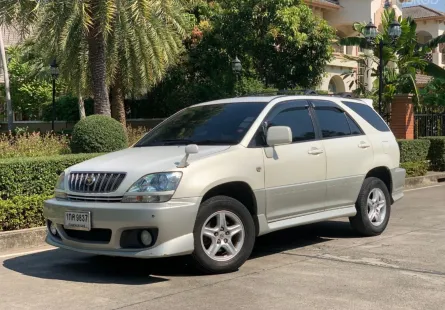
(211, 178)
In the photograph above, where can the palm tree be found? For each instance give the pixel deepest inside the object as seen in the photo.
(142, 46)
(128, 43)
(406, 55)
(9, 112)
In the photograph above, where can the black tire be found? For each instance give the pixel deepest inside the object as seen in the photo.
(222, 203)
(361, 222)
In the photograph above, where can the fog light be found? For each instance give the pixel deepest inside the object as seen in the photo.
(146, 238)
(53, 229)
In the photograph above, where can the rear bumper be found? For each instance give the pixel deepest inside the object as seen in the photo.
(173, 221)
(398, 176)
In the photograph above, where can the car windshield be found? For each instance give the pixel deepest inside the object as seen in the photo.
(214, 124)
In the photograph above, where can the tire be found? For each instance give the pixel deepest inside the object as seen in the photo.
(208, 223)
(372, 224)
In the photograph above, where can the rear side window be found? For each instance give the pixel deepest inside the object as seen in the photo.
(333, 123)
(368, 114)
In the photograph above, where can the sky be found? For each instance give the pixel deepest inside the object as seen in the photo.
(434, 4)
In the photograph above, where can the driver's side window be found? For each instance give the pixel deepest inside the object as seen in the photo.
(294, 115)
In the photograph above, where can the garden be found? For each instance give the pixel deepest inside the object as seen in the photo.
(30, 164)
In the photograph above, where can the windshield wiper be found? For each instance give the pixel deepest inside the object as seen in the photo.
(215, 142)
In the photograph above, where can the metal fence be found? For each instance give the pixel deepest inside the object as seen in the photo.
(429, 124)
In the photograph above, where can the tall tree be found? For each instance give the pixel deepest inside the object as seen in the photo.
(128, 43)
(9, 111)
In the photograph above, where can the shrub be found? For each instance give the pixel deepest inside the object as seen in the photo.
(33, 145)
(134, 134)
(32, 176)
(98, 134)
(436, 153)
(413, 150)
(22, 212)
(415, 169)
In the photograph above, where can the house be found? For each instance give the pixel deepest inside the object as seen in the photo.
(341, 14)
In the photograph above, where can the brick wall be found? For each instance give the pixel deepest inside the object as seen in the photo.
(402, 117)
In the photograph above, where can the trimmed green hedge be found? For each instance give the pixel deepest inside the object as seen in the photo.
(34, 176)
(413, 150)
(436, 153)
(98, 134)
(22, 212)
(413, 156)
(415, 169)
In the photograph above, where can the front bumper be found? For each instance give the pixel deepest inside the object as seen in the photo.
(398, 176)
(173, 220)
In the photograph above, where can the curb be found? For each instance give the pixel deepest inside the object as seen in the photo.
(430, 179)
(24, 238)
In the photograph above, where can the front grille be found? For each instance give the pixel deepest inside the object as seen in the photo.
(95, 235)
(88, 182)
(94, 198)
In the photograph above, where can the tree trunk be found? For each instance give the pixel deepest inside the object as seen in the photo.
(98, 66)
(9, 112)
(81, 103)
(117, 101)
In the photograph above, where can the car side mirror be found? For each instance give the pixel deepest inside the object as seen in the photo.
(189, 149)
(279, 135)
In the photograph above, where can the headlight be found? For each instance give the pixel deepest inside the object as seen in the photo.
(156, 187)
(60, 187)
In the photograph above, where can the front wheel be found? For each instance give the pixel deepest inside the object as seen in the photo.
(373, 208)
(224, 235)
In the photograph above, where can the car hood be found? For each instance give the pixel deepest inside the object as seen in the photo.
(144, 160)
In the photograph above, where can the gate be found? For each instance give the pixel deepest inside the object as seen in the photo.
(429, 122)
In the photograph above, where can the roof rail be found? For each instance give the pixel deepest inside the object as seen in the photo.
(307, 92)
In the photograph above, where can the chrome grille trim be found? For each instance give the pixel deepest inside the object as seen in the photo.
(105, 182)
(94, 199)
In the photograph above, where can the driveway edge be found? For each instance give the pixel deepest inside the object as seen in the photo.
(24, 238)
(429, 179)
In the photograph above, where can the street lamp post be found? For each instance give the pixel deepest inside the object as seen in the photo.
(370, 32)
(55, 74)
(237, 68)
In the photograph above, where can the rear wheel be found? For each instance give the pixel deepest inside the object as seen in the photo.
(224, 235)
(373, 208)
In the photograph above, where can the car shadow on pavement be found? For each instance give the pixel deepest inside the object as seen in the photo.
(77, 267)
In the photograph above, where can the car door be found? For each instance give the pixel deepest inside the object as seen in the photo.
(348, 150)
(295, 173)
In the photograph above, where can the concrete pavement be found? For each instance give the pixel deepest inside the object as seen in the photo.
(319, 266)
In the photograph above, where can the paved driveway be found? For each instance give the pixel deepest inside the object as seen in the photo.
(319, 266)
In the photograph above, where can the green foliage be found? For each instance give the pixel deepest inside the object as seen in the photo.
(415, 169)
(434, 93)
(98, 134)
(281, 45)
(413, 150)
(436, 154)
(67, 109)
(401, 60)
(22, 212)
(34, 176)
(28, 91)
(24, 144)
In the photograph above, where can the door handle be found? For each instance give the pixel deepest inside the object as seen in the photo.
(364, 145)
(315, 151)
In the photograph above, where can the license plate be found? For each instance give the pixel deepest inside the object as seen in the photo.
(78, 220)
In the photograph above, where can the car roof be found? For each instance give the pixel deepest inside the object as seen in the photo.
(267, 99)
